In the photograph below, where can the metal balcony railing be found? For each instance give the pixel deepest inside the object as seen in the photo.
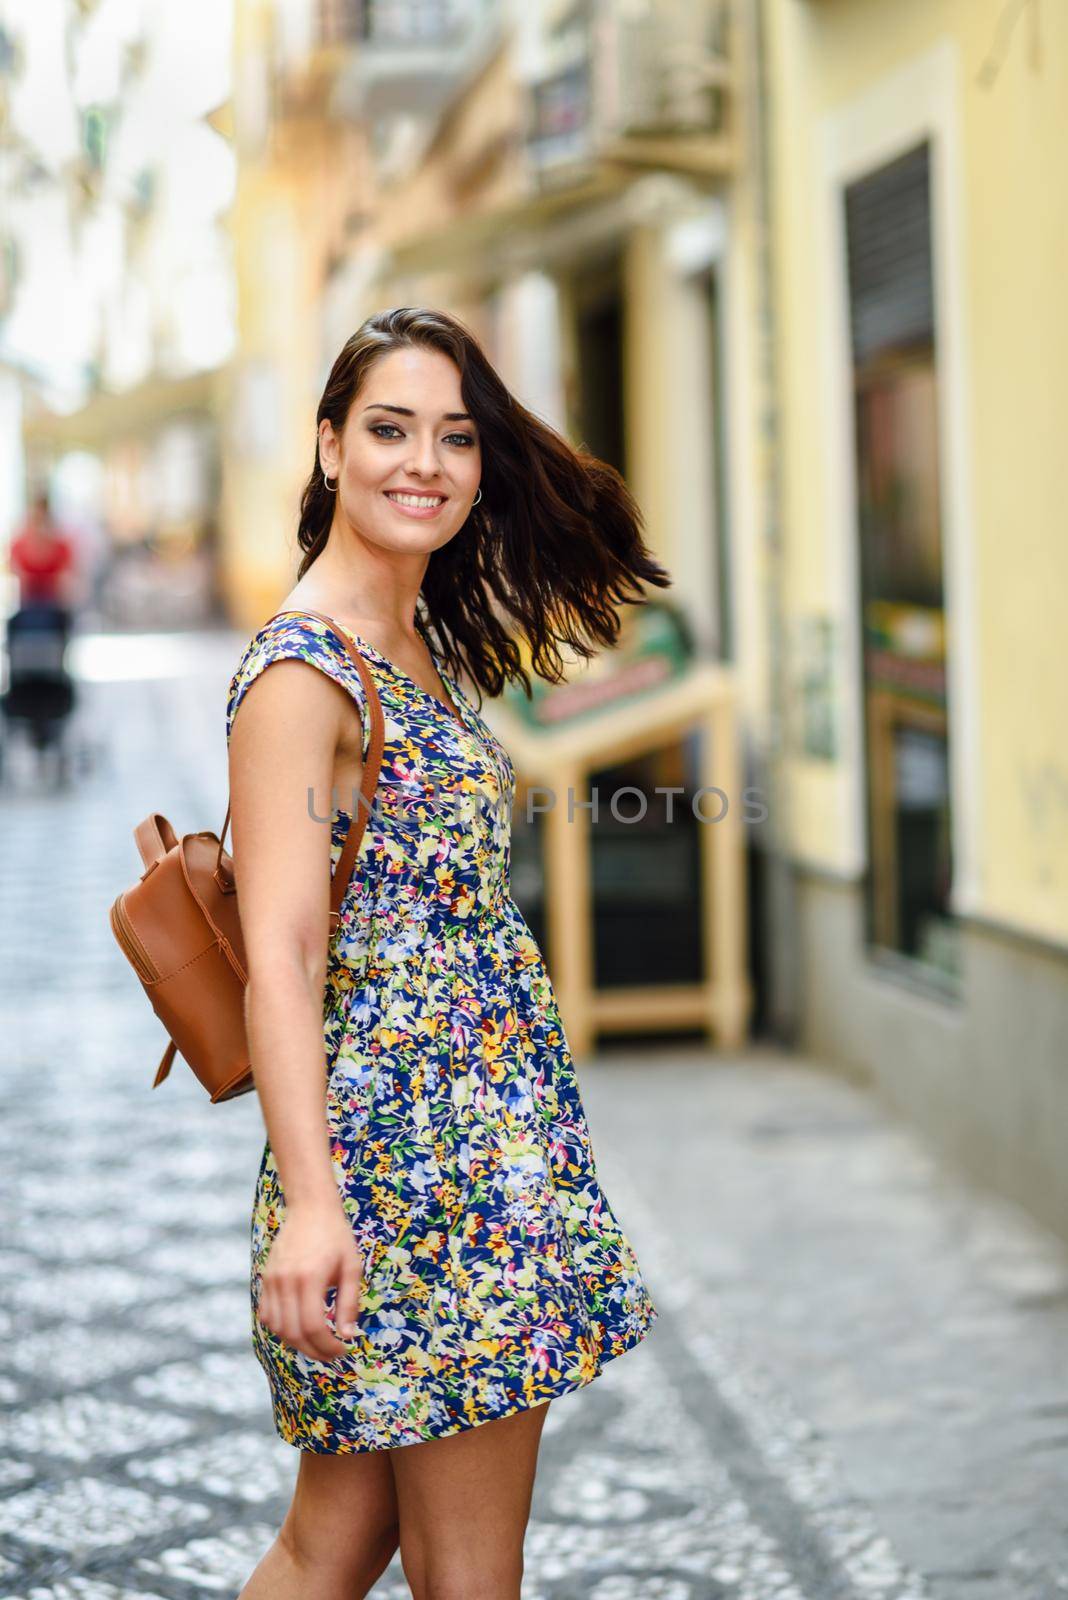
(389, 22)
(410, 57)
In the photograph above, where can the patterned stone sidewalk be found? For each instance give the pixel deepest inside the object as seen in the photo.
(139, 1457)
(833, 1313)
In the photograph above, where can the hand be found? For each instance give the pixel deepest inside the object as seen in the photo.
(313, 1249)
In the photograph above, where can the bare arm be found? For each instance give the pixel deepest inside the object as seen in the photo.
(282, 743)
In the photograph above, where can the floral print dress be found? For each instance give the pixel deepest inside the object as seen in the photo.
(495, 1273)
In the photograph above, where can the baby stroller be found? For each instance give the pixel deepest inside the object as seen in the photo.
(39, 693)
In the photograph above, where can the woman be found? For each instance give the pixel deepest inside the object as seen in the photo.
(432, 1260)
(42, 559)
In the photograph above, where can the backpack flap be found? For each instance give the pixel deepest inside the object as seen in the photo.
(178, 927)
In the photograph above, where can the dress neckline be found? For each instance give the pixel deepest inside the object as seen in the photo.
(454, 713)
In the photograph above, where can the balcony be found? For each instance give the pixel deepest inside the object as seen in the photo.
(406, 58)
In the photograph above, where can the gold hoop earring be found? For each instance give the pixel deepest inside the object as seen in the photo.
(326, 482)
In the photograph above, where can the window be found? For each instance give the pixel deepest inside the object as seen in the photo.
(899, 523)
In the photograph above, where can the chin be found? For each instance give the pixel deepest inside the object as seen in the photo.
(414, 542)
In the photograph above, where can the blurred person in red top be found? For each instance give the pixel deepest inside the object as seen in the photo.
(42, 559)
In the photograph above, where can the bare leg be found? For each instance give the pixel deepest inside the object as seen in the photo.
(339, 1534)
(464, 1504)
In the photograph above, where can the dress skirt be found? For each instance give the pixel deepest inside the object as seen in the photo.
(496, 1275)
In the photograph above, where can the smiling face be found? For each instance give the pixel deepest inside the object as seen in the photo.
(408, 461)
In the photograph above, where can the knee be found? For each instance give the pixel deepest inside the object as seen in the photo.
(350, 1565)
(433, 1576)
(385, 1542)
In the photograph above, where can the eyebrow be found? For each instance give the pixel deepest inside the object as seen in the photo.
(406, 411)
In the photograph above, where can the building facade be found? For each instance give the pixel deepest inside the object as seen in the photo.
(793, 266)
(920, 241)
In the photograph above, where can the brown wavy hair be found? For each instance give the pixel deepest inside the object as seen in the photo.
(553, 547)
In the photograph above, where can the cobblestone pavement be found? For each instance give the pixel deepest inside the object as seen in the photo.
(857, 1387)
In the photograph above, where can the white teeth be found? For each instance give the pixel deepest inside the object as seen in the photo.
(415, 499)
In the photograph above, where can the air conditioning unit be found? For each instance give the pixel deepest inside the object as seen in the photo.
(660, 67)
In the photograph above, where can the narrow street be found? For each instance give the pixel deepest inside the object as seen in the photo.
(857, 1386)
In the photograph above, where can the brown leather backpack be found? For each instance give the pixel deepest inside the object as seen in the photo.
(179, 927)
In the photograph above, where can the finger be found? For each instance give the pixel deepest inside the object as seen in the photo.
(329, 1332)
(267, 1310)
(347, 1305)
(288, 1324)
(319, 1341)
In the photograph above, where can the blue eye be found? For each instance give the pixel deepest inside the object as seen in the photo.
(377, 427)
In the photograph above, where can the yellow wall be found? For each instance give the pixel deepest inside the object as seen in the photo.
(291, 209)
(1012, 244)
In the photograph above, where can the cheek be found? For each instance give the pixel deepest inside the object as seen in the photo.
(364, 471)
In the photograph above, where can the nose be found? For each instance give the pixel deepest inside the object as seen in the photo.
(423, 460)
